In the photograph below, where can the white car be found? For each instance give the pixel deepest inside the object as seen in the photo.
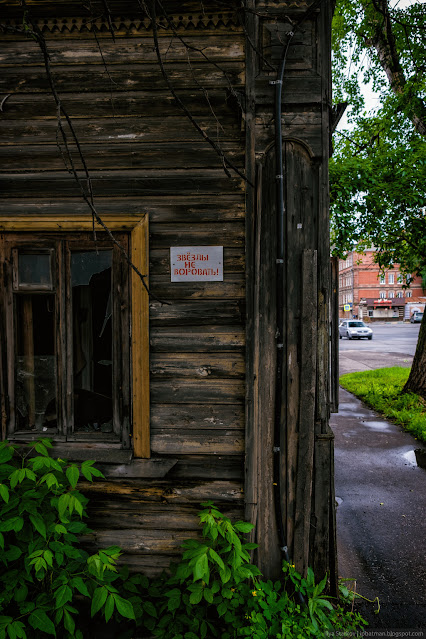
(354, 329)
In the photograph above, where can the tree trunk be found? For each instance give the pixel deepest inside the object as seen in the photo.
(416, 382)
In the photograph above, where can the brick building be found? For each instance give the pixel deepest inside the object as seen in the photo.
(368, 293)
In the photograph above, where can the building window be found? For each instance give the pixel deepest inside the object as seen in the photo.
(383, 279)
(391, 294)
(400, 278)
(408, 293)
(69, 319)
(400, 294)
(382, 295)
(391, 278)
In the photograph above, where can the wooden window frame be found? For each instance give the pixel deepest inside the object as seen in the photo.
(137, 226)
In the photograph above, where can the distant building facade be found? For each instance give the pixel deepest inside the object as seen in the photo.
(369, 294)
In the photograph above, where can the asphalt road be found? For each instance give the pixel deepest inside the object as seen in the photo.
(381, 493)
(392, 345)
(397, 338)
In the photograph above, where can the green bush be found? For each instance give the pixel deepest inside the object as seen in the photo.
(216, 592)
(51, 586)
(46, 575)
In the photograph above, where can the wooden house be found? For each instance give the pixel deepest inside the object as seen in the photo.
(146, 133)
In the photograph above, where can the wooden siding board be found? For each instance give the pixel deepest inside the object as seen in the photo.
(69, 79)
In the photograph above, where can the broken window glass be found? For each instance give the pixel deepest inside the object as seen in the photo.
(92, 340)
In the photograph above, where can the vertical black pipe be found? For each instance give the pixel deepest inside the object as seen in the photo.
(280, 402)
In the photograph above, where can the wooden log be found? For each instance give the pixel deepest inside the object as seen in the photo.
(197, 313)
(47, 157)
(137, 51)
(228, 289)
(197, 416)
(228, 235)
(217, 467)
(169, 129)
(185, 492)
(181, 442)
(63, 185)
(127, 104)
(74, 78)
(196, 339)
(210, 391)
(196, 366)
(111, 515)
(196, 208)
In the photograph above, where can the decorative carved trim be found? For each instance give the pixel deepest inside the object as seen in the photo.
(128, 26)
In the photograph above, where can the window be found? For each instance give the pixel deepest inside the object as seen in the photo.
(391, 278)
(382, 295)
(382, 278)
(408, 293)
(399, 294)
(400, 278)
(69, 308)
(391, 294)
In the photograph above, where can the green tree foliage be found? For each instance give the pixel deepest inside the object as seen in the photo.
(378, 171)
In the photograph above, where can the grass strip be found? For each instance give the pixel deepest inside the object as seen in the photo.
(381, 389)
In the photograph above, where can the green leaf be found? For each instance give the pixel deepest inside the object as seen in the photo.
(99, 598)
(109, 608)
(69, 622)
(208, 595)
(149, 607)
(124, 607)
(39, 525)
(63, 504)
(213, 554)
(63, 595)
(60, 529)
(201, 568)
(243, 526)
(13, 553)
(41, 448)
(6, 453)
(78, 583)
(195, 597)
(13, 523)
(73, 474)
(78, 506)
(4, 493)
(40, 621)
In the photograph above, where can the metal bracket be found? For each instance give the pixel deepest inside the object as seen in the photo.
(279, 177)
(275, 81)
(276, 449)
(279, 261)
(280, 345)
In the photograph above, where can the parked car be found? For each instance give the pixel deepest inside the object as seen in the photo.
(354, 329)
(416, 317)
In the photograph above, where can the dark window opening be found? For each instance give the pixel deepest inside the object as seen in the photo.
(66, 312)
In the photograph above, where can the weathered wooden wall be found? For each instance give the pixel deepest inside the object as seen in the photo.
(305, 441)
(213, 349)
(145, 156)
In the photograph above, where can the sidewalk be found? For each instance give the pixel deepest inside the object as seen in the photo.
(381, 495)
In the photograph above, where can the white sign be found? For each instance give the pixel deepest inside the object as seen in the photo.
(196, 263)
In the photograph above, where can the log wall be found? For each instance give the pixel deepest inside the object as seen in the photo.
(145, 156)
(213, 348)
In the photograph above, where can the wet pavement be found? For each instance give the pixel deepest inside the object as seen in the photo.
(381, 496)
